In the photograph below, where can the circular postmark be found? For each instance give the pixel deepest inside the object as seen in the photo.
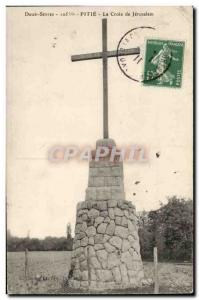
(132, 66)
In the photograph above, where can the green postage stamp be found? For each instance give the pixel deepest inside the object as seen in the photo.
(163, 63)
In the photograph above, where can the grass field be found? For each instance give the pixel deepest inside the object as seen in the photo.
(48, 271)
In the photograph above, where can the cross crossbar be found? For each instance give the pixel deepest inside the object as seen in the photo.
(98, 55)
(104, 55)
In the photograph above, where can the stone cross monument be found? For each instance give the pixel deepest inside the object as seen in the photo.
(106, 251)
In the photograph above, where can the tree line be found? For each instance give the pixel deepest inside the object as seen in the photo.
(169, 228)
(34, 244)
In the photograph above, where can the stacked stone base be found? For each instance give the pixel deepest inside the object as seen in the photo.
(106, 252)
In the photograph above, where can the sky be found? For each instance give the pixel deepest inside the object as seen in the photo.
(52, 101)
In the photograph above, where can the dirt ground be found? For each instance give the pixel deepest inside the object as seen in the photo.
(48, 271)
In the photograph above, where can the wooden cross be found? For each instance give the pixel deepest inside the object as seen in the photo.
(104, 55)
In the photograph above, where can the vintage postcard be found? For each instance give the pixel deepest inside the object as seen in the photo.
(100, 150)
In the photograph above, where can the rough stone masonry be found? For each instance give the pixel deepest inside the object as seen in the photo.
(106, 251)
